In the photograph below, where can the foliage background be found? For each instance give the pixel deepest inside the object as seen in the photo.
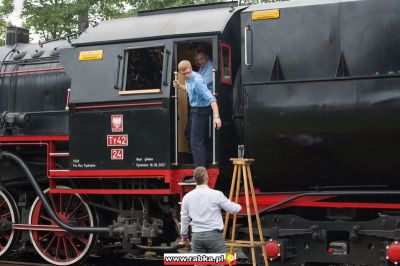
(6, 8)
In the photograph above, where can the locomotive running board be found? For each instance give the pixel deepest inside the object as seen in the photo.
(37, 227)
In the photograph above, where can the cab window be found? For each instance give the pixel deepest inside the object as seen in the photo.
(226, 64)
(143, 70)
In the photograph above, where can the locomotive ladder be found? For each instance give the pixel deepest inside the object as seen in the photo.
(242, 166)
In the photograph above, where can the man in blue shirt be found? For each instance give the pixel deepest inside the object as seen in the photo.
(202, 60)
(202, 104)
(205, 67)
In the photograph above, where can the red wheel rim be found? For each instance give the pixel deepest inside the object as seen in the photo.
(62, 248)
(7, 213)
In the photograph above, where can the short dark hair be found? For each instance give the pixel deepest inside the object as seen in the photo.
(201, 50)
(200, 174)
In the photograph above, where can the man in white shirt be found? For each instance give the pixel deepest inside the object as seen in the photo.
(201, 208)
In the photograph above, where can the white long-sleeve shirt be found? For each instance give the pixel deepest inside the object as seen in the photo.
(201, 208)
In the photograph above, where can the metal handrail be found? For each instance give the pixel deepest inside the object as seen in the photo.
(176, 119)
(214, 129)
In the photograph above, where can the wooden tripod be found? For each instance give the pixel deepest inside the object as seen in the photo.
(242, 166)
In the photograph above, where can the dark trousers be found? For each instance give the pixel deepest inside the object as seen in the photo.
(208, 242)
(199, 127)
(188, 129)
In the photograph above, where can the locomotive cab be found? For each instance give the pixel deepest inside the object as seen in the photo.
(124, 111)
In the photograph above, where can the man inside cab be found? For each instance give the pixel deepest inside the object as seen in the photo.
(202, 105)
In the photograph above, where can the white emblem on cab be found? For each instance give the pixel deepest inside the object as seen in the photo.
(117, 123)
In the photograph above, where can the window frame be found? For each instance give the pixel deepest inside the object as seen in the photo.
(123, 91)
(223, 80)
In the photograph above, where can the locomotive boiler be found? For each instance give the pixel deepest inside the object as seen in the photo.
(93, 156)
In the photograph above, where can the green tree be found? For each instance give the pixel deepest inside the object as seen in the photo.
(52, 19)
(159, 4)
(6, 8)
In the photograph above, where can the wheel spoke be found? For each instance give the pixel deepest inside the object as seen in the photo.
(52, 202)
(7, 214)
(46, 218)
(2, 202)
(7, 237)
(83, 217)
(58, 248)
(67, 256)
(49, 245)
(73, 246)
(69, 203)
(82, 239)
(44, 236)
(77, 208)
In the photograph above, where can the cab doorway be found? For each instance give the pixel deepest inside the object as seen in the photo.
(198, 52)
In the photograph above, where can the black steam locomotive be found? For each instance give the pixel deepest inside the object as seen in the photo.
(93, 156)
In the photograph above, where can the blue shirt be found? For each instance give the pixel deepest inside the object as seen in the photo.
(201, 208)
(207, 74)
(198, 93)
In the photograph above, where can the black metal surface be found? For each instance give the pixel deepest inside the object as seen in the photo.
(305, 240)
(325, 133)
(16, 35)
(148, 131)
(36, 93)
(98, 83)
(47, 123)
(310, 37)
(321, 94)
(31, 51)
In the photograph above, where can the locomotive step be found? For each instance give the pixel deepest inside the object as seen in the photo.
(58, 170)
(59, 154)
(187, 183)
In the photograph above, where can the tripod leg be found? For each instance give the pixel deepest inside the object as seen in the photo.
(235, 215)
(234, 176)
(257, 215)
(246, 191)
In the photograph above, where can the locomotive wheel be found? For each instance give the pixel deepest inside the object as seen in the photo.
(62, 248)
(8, 213)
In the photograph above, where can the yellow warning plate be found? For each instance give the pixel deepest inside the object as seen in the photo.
(91, 55)
(265, 14)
